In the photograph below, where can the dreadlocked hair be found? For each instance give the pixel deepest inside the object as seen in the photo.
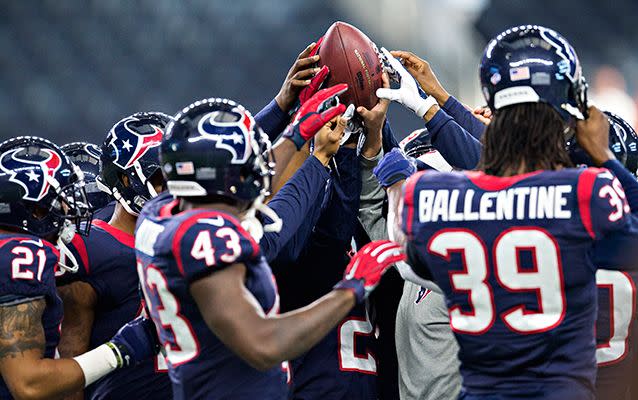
(531, 135)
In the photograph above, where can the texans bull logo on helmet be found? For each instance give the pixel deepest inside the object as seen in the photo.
(31, 174)
(569, 66)
(129, 145)
(233, 136)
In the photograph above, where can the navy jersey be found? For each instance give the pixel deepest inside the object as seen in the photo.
(513, 256)
(28, 273)
(106, 261)
(616, 334)
(175, 249)
(105, 213)
(343, 365)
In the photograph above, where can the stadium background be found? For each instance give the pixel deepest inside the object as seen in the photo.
(70, 69)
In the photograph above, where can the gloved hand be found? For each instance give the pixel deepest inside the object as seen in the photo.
(317, 80)
(315, 83)
(314, 114)
(394, 167)
(366, 267)
(135, 342)
(299, 77)
(409, 93)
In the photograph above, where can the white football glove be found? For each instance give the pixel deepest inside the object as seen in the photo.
(408, 93)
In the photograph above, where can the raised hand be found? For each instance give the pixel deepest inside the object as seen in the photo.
(483, 114)
(316, 82)
(373, 121)
(300, 76)
(592, 135)
(329, 138)
(424, 75)
(314, 85)
(408, 94)
(366, 268)
(314, 114)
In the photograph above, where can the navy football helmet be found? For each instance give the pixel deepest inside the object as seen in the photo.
(531, 64)
(41, 190)
(622, 142)
(87, 157)
(214, 147)
(131, 150)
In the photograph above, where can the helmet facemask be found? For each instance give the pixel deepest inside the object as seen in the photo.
(578, 95)
(72, 202)
(131, 150)
(264, 163)
(72, 208)
(131, 196)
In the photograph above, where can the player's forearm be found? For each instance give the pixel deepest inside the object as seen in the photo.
(283, 151)
(371, 199)
(338, 220)
(265, 342)
(74, 339)
(298, 331)
(22, 366)
(47, 379)
(71, 344)
(292, 203)
(75, 336)
(628, 181)
(272, 119)
(454, 143)
(464, 117)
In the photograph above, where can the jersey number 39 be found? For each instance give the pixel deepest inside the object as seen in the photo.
(544, 279)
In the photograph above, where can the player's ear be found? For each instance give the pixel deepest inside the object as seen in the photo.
(157, 180)
(40, 212)
(124, 180)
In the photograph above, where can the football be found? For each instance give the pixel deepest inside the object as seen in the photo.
(353, 59)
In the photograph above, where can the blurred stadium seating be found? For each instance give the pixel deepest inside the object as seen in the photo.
(70, 69)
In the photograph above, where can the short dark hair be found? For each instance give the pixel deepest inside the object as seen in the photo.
(533, 133)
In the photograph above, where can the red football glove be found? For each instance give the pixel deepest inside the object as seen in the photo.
(317, 80)
(315, 83)
(365, 269)
(314, 114)
(315, 49)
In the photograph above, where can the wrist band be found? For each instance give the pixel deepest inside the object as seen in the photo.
(355, 285)
(96, 363)
(425, 105)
